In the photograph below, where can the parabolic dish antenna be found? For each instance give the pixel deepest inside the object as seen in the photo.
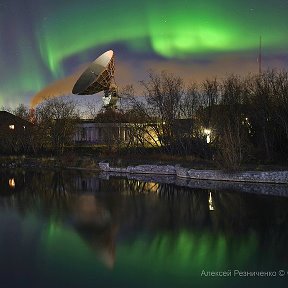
(99, 76)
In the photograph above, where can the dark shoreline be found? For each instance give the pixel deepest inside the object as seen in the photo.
(165, 174)
(87, 162)
(268, 189)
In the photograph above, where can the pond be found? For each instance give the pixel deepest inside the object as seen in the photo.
(76, 229)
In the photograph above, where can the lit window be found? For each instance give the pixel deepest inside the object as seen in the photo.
(24, 127)
(12, 127)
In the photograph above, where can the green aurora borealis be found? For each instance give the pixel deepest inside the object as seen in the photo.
(42, 41)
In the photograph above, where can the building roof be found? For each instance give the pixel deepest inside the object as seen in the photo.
(9, 117)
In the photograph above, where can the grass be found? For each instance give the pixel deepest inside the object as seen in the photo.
(90, 156)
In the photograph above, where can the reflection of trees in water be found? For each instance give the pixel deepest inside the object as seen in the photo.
(153, 204)
(267, 217)
(45, 192)
(50, 190)
(163, 206)
(52, 196)
(54, 193)
(93, 222)
(130, 205)
(59, 186)
(173, 207)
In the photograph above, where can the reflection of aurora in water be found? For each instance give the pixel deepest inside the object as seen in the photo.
(121, 233)
(163, 255)
(190, 250)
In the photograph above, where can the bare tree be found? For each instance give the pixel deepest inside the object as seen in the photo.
(92, 108)
(144, 129)
(57, 120)
(210, 92)
(169, 109)
(23, 112)
(191, 101)
(261, 116)
(163, 94)
(232, 133)
(279, 109)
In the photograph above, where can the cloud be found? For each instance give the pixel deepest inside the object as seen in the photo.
(197, 72)
(132, 72)
(58, 88)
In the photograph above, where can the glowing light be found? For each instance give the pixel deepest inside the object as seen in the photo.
(12, 127)
(210, 201)
(151, 137)
(151, 187)
(207, 132)
(12, 183)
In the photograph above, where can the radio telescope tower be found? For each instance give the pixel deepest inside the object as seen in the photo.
(99, 76)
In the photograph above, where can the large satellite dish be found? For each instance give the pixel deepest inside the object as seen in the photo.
(99, 76)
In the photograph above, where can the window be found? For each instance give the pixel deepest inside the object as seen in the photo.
(83, 134)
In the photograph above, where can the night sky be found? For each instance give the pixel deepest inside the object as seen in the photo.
(43, 41)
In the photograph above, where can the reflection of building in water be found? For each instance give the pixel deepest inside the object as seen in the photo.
(93, 222)
(87, 183)
(135, 186)
(89, 211)
(98, 217)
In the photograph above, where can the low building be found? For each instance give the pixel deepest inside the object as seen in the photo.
(14, 132)
(92, 132)
(10, 123)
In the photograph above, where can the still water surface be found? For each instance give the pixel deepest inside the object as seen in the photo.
(71, 229)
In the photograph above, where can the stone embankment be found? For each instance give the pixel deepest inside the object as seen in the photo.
(266, 183)
(212, 175)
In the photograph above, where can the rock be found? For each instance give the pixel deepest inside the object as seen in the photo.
(104, 166)
(215, 175)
